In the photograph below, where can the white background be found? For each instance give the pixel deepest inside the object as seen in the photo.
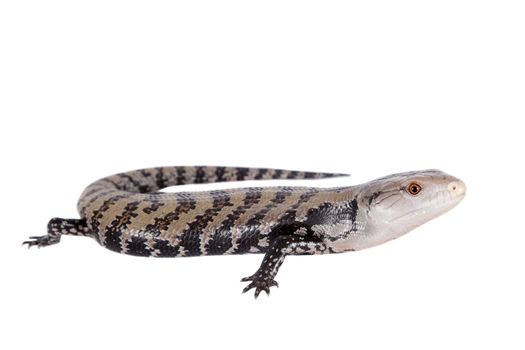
(90, 88)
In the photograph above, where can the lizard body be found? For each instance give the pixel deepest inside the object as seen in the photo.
(126, 213)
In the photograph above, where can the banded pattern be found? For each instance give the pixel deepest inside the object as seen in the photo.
(127, 214)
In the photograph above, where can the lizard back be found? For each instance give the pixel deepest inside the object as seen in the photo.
(126, 213)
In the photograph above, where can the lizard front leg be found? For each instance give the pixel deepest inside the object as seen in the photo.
(280, 246)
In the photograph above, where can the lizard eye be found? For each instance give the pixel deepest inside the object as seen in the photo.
(413, 188)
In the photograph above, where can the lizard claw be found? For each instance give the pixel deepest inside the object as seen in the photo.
(40, 241)
(246, 279)
(260, 283)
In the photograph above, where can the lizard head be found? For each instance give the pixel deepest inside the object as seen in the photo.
(400, 202)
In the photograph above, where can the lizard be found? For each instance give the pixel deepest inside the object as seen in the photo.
(127, 213)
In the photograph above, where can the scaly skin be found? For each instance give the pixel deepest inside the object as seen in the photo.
(126, 213)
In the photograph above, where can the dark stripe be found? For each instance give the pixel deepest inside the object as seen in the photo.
(292, 175)
(144, 189)
(144, 186)
(138, 246)
(181, 175)
(145, 173)
(250, 238)
(99, 213)
(242, 173)
(221, 241)
(310, 175)
(260, 173)
(155, 205)
(290, 214)
(277, 174)
(186, 202)
(164, 248)
(353, 207)
(113, 233)
(191, 237)
(131, 181)
(200, 175)
(287, 222)
(160, 179)
(219, 173)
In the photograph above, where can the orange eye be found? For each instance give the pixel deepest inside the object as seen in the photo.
(414, 188)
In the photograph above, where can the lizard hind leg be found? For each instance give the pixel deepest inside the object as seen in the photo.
(56, 228)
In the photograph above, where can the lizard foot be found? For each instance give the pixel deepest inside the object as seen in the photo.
(41, 241)
(260, 283)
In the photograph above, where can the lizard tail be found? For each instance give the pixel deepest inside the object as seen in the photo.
(154, 179)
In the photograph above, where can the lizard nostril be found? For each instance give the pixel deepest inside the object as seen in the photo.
(458, 187)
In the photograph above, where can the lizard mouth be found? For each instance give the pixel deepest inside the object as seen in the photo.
(437, 205)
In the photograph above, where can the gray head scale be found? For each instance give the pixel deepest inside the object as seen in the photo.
(401, 202)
